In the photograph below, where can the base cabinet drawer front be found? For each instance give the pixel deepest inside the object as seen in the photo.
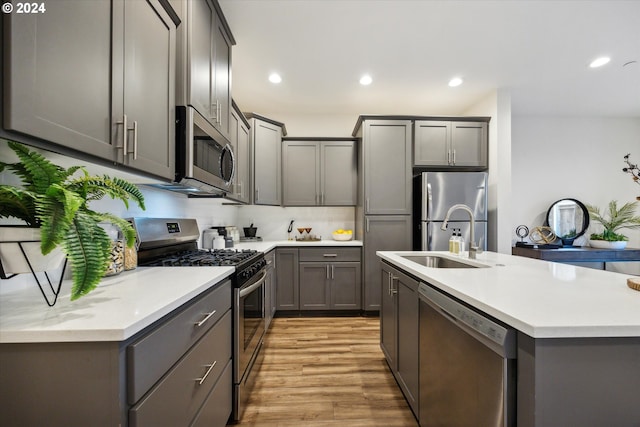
(330, 254)
(218, 406)
(180, 394)
(149, 358)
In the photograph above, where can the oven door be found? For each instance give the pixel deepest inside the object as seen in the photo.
(249, 322)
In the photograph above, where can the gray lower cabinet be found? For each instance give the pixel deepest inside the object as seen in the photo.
(399, 324)
(172, 373)
(319, 173)
(287, 287)
(122, 107)
(381, 233)
(451, 144)
(239, 133)
(266, 159)
(330, 278)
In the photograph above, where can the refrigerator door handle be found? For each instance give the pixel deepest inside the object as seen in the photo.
(426, 244)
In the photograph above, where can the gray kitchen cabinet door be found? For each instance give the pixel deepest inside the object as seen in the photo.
(149, 78)
(287, 279)
(431, 144)
(346, 285)
(315, 286)
(301, 173)
(388, 318)
(406, 292)
(267, 152)
(68, 101)
(239, 134)
(469, 143)
(222, 76)
(382, 233)
(339, 173)
(200, 55)
(387, 167)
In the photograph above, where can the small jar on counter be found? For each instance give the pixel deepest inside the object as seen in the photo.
(130, 257)
(116, 260)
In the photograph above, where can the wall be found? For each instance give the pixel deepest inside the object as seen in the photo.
(576, 157)
(497, 105)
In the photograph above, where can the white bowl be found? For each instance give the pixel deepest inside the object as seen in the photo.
(342, 237)
(603, 244)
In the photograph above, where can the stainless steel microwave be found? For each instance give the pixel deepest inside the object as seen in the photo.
(205, 163)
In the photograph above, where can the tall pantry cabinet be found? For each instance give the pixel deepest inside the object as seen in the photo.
(383, 213)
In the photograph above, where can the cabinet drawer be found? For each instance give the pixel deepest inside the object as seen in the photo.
(180, 394)
(330, 254)
(218, 406)
(150, 357)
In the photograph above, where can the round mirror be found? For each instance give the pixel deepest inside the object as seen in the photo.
(569, 219)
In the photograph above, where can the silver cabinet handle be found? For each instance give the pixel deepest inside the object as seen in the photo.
(329, 255)
(206, 374)
(135, 140)
(393, 289)
(207, 317)
(367, 224)
(333, 270)
(123, 122)
(454, 156)
(367, 203)
(327, 267)
(322, 198)
(388, 283)
(448, 157)
(257, 194)
(213, 115)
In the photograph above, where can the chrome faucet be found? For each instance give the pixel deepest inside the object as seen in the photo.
(473, 249)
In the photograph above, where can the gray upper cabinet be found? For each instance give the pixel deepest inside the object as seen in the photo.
(266, 155)
(319, 173)
(121, 108)
(239, 133)
(387, 167)
(450, 144)
(204, 61)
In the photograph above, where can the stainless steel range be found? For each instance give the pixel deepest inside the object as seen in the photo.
(173, 242)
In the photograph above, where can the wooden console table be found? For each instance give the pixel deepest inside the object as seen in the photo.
(580, 254)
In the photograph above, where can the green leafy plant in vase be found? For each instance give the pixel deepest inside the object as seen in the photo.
(56, 201)
(612, 221)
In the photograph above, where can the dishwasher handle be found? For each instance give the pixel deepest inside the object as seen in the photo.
(499, 338)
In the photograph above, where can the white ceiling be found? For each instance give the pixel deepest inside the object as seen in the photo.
(537, 50)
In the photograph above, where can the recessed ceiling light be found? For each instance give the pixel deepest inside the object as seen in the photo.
(366, 80)
(599, 62)
(275, 78)
(456, 81)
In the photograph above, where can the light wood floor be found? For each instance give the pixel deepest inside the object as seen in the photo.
(321, 372)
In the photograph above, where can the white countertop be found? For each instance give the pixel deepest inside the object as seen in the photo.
(540, 298)
(118, 308)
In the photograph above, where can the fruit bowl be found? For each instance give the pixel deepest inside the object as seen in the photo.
(341, 236)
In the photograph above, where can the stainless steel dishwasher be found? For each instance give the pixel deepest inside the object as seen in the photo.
(467, 365)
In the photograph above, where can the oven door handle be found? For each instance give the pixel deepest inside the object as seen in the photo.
(251, 288)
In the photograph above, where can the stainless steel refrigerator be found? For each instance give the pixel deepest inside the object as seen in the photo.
(434, 193)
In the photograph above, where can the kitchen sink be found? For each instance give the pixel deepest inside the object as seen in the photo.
(436, 261)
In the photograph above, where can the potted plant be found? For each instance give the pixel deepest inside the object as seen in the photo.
(54, 202)
(612, 221)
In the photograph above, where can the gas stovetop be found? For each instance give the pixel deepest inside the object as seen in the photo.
(204, 257)
(171, 242)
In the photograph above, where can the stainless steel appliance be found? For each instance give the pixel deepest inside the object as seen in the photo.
(467, 365)
(168, 242)
(434, 193)
(205, 162)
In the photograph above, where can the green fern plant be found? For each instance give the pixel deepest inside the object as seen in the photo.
(614, 220)
(57, 200)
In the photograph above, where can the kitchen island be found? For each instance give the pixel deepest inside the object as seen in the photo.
(578, 333)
